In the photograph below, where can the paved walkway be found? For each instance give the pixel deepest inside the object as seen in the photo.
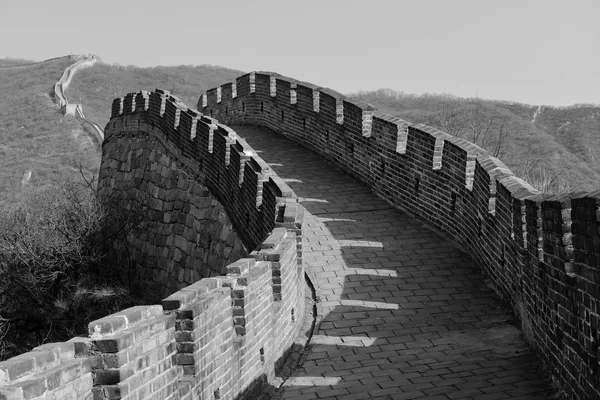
(406, 314)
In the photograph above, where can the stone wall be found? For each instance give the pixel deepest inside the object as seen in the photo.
(64, 81)
(219, 338)
(541, 252)
(52, 370)
(187, 234)
(93, 129)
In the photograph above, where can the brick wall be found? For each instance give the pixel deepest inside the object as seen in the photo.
(52, 370)
(220, 337)
(187, 234)
(64, 81)
(540, 252)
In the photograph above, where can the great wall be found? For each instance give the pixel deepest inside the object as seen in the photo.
(93, 129)
(226, 337)
(59, 92)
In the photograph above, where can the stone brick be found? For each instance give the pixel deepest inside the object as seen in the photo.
(522, 242)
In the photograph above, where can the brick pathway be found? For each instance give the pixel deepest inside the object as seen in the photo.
(406, 315)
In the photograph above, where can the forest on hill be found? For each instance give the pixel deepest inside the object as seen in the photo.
(554, 148)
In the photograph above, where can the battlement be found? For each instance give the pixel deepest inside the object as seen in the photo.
(248, 189)
(221, 337)
(539, 251)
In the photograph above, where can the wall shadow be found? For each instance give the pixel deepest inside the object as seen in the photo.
(405, 313)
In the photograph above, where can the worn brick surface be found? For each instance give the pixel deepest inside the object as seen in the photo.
(218, 338)
(406, 314)
(540, 252)
(187, 233)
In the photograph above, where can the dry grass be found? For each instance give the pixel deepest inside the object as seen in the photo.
(98, 86)
(33, 135)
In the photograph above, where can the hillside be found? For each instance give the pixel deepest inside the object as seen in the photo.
(553, 148)
(33, 135)
(577, 128)
(9, 62)
(98, 86)
(555, 152)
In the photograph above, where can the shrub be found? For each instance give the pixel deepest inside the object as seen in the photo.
(60, 262)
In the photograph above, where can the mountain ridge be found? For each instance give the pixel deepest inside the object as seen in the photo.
(545, 145)
(556, 148)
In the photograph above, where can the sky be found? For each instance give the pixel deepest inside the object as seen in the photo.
(542, 52)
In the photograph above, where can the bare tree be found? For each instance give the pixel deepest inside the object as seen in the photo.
(468, 119)
(549, 173)
(57, 253)
(483, 123)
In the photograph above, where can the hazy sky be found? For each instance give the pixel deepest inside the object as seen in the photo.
(537, 52)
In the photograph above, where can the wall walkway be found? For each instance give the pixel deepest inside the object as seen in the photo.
(405, 314)
(60, 96)
(540, 252)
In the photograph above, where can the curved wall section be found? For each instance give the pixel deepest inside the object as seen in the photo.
(64, 81)
(219, 338)
(241, 181)
(186, 234)
(82, 62)
(539, 251)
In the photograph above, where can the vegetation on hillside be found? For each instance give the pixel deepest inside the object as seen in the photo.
(552, 148)
(98, 86)
(555, 157)
(6, 62)
(61, 256)
(62, 246)
(577, 128)
(33, 135)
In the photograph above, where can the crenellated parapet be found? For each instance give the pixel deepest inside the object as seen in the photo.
(221, 337)
(539, 251)
(248, 189)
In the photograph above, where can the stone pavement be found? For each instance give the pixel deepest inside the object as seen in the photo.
(406, 314)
